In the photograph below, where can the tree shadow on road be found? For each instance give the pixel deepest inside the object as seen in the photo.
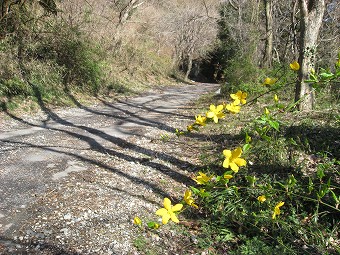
(80, 133)
(32, 248)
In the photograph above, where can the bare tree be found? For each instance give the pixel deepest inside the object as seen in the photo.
(191, 29)
(312, 12)
(267, 60)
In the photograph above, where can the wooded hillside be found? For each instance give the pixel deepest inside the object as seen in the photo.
(117, 46)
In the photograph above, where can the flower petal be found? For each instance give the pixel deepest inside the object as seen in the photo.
(227, 153)
(161, 212)
(174, 218)
(177, 208)
(210, 115)
(236, 153)
(226, 163)
(167, 203)
(166, 218)
(187, 194)
(219, 108)
(234, 96)
(234, 167)
(240, 162)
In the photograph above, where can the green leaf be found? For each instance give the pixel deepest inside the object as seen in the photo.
(326, 76)
(310, 185)
(194, 190)
(274, 124)
(265, 137)
(246, 147)
(336, 199)
(251, 180)
(153, 225)
(320, 173)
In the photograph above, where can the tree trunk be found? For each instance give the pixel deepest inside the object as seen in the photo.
(312, 12)
(189, 67)
(294, 42)
(267, 59)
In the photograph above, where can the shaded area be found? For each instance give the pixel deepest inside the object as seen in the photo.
(32, 248)
(314, 139)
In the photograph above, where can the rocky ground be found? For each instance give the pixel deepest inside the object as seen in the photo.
(72, 180)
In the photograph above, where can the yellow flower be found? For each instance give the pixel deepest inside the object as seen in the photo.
(276, 98)
(200, 120)
(190, 128)
(233, 160)
(188, 199)
(137, 221)
(228, 176)
(239, 97)
(233, 108)
(261, 198)
(277, 209)
(215, 113)
(168, 212)
(295, 66)
(269, 81)
(266, 111)
(202, 178)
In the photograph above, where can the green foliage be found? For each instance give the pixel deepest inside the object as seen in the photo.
(287, 198)
(13, 87)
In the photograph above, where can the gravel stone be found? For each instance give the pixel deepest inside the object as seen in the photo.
(74, 179)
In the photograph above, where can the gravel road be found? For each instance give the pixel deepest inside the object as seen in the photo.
(72, 179)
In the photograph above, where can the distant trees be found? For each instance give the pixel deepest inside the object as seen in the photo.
(190, 28)
(260, 33)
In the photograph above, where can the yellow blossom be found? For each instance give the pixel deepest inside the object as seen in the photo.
(262, 198)
(168, 212)
(202, 178)
(228, 176)
(276, 98)
(200, 120)
(266, 111)
(269, 81)
(188, 199)
(137, 221)
(233, 108)
(239, 97)
(295, 66)
(215, 113)
(190, 128)
(277, 209)
(233, 160)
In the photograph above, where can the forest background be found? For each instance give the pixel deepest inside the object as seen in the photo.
(123, 46)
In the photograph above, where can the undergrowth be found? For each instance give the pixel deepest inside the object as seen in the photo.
(271, 177)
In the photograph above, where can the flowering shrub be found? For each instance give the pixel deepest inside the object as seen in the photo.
(292, 211)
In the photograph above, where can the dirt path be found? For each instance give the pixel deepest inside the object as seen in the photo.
(72, 179)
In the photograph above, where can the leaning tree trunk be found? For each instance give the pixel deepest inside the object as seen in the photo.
(312, 12)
